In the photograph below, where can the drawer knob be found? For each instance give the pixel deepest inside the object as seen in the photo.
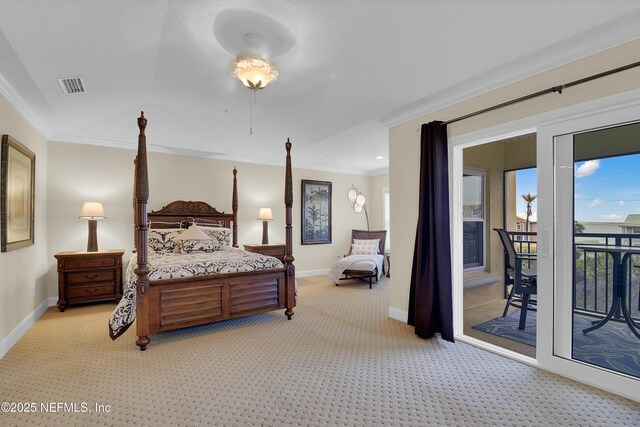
(90, 276)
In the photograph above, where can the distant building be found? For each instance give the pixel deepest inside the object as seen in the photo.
(521, 225)
(601, 227)
(631, 225)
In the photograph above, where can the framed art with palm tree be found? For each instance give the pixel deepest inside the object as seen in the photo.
(316, 212)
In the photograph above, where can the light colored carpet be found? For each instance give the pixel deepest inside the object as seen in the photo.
(340, 361)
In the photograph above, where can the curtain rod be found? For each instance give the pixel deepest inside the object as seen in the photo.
(553, 89)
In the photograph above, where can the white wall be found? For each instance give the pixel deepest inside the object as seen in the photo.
(23, 284)
(375, 200)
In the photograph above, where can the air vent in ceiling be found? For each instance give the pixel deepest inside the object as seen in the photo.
(71, 85)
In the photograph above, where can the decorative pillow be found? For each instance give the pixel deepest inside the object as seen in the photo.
(375, 242)
(368, 242)
(359, 249)
(193, 233)
(161, 240)
(196, 245)
(220, 235)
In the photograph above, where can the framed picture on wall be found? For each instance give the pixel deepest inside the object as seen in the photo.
(17, 185)
(316, 212)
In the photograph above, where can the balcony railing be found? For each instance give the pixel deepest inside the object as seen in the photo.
(593, 274)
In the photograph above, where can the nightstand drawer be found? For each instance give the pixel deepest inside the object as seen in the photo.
(275, 252)
(77, 264)
(90, 277)
(90, 291)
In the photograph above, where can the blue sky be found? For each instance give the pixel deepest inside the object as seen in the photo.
(605, 189)
(526, 183)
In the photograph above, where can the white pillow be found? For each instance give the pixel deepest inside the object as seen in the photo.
(359, 249)
(375, 242)
(193, 233)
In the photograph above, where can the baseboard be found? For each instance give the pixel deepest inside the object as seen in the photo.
(308, 273)
(401, 315)
(17, 333)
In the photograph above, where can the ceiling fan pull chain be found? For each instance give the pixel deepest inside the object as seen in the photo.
(251, 93)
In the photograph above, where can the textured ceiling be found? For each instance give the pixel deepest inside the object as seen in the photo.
(344, 66)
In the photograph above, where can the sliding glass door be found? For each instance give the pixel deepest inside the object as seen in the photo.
(598, 248)
(587, 237)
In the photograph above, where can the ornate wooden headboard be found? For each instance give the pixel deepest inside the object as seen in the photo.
(181, 211)
(184, 212)
(368, 235)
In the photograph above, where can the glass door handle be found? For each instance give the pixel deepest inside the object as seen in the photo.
(543, 242)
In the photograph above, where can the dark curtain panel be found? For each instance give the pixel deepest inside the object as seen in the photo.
(430, 300)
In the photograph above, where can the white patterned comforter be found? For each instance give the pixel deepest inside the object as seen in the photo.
(173, 265)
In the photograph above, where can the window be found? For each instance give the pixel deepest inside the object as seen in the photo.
(387, 217)
(473, 229)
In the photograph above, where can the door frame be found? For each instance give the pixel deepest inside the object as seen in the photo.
(602, 112)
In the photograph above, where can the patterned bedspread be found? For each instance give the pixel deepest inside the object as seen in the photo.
(173, 265)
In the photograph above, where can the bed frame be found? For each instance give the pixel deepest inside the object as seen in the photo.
(163, 305)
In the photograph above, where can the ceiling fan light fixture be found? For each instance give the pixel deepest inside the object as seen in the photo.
(254, 73)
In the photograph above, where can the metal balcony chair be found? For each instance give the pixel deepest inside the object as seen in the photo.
(524, 279)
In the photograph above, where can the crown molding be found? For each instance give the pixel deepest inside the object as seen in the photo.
(587, 43)
(10, 94)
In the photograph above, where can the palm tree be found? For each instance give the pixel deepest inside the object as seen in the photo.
(528, 198)
(313, 213)
(578, 228)
(320, 197)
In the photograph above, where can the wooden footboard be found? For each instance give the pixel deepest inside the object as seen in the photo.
(175, 304)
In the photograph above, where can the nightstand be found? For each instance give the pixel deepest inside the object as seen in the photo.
(89, 276)
(275, 250)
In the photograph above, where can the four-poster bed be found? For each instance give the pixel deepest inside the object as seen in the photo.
(168, 291)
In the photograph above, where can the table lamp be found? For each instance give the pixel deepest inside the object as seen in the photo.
(92, 211)
(265, 215)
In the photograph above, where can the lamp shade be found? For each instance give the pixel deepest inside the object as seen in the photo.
(265, 214)
(360, 200)
(352, 194)
(92, 210)
(254, 73)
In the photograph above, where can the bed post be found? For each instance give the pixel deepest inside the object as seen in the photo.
(288, 257)
(133, 203)
(234, 207)
(141, 186)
